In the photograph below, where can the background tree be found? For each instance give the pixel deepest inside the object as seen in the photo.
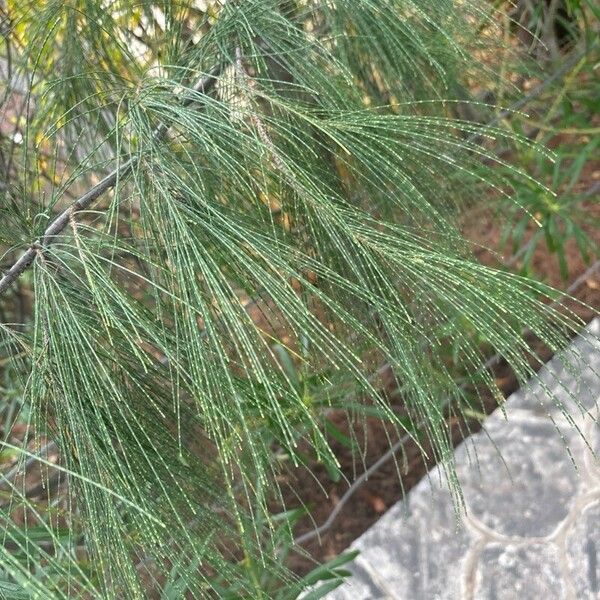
(219, 219)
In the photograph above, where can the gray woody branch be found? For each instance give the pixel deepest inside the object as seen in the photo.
(109, 182)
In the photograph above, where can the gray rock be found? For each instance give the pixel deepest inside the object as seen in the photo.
(583, 553)
(533, 523)
(360, 586)
(523, 482)
(593, 437)
(418, 547)
(569, 382)
(526, 572)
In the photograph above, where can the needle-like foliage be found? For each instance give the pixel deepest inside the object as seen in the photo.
(277, 220)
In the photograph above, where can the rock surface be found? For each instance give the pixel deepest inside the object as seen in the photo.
(531, 488)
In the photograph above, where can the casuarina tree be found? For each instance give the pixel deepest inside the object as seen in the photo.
(220, 221)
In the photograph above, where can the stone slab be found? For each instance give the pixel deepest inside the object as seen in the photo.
(531, 485)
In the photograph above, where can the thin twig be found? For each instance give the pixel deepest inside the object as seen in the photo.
(540, 89)
(22, 468)
(24, 262)
(393, 450)
(82, 203)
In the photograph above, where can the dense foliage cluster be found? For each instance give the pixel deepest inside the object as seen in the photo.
(233, 214)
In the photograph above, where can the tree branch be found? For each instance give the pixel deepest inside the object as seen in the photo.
(203, 86)
(60, 222)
